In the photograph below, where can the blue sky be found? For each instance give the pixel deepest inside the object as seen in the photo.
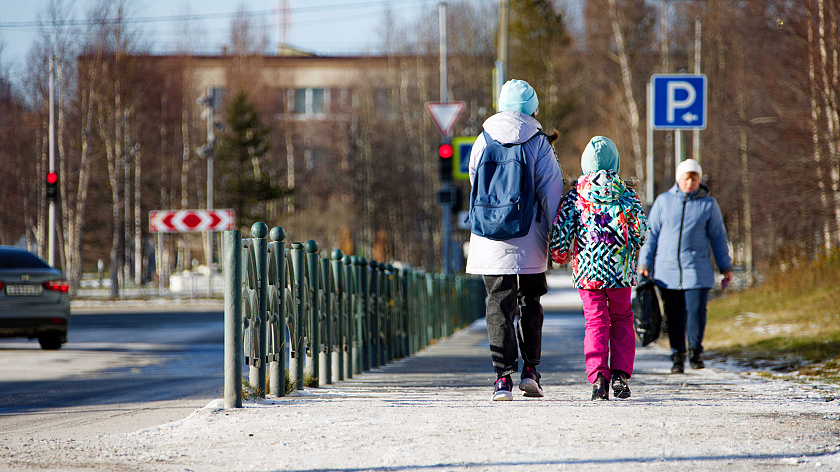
(322, 26)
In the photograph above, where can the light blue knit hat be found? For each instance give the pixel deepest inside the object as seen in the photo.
(518, 95)
(600, 154)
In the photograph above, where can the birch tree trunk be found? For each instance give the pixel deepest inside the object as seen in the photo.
(815, 136)
(831, 115)
(76, 218)
(627, 81)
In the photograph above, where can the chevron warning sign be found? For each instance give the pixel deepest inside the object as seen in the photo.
(187, 221)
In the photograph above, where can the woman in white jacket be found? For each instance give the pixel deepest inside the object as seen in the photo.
(514, 270)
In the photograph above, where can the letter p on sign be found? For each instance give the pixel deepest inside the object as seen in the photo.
(679, 101)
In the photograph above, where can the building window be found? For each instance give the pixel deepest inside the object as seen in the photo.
(310, 101)
(299, 102)
(318, 103)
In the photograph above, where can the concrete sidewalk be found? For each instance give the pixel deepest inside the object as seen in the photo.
(432, 412)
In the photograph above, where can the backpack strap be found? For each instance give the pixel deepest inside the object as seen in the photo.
(534, 180)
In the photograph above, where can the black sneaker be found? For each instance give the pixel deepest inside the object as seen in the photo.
(600, 390)
(695, 360)
(619, 384)
(530, 383)
(502, 389)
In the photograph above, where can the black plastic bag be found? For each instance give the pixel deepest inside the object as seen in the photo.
(647, 317)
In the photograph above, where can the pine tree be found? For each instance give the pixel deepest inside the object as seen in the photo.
(538, 47)
(242, 146)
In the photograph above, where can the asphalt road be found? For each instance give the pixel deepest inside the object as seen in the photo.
(119, 372)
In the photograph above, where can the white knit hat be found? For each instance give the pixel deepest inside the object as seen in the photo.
(689, 165)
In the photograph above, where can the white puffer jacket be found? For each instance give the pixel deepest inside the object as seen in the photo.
(528, 254)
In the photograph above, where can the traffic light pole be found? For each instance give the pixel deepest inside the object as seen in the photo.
(51, 223)
(446, 209)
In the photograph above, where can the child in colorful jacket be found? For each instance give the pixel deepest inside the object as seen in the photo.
(600, 227)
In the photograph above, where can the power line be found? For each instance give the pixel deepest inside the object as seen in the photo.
(204, 16)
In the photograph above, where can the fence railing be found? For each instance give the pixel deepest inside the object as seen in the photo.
(291, 310)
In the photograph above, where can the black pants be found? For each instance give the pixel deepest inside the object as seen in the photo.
(686, 313)
(507, 297)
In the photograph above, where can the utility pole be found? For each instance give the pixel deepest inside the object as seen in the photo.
(446, 209)
(500, 71)
(207, 151)
(51, 223)
(696, 137)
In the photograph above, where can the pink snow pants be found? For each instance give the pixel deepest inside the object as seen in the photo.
(609, 342)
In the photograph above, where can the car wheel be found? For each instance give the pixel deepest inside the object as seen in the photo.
(50, 342)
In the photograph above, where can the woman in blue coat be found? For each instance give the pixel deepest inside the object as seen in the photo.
(684, 222)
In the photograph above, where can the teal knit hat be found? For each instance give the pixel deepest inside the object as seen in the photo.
(517, 95)
(600, 154)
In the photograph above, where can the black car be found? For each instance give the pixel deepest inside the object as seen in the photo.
(34, 299)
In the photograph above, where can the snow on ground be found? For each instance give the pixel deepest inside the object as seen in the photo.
(431, 412)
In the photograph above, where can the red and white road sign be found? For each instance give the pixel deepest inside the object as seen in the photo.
(445, 114)
(186, 221)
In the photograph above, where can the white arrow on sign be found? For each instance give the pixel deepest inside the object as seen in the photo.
(689, 117)
(445, 114)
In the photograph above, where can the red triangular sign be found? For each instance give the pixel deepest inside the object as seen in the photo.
(445, 114)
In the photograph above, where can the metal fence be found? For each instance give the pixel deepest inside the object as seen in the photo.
(289, 309)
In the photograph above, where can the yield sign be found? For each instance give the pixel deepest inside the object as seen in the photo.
(445, 114)
(185, 221)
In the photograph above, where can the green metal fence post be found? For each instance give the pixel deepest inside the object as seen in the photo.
(373, 312)
(386, 305)
(359, 306)
(327, 319)
(429, 309)
(413, 312)
(364, 315)
(396, 313)
(257, 372)
(351, 344)
(233, 318)
(298, 356)
(277, 308)
(339, 314)
(315, 309)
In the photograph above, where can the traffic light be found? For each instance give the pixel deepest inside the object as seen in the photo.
(445, 161)
(52, 186)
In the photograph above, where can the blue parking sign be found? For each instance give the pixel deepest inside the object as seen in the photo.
(679, 101)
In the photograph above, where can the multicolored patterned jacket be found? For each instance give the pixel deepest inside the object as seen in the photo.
(599, 227)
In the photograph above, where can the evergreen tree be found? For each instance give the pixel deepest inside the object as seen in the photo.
(245, 186)
(538, 52)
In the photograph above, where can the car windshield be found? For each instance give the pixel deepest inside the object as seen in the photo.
(21, 260)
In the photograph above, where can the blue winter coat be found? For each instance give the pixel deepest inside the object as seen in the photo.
(682, 227)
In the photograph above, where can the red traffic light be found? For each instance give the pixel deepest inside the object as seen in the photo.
(52, 177)
(445, 151)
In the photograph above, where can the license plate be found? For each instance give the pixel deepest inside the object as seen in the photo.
(18, 290)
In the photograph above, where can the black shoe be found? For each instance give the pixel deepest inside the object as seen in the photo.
(619, 384)
(530, 383)
(694, 359)
(502, 389)
(600, 389)
(679, 363)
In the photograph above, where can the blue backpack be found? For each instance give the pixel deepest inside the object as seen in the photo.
(502, 197)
